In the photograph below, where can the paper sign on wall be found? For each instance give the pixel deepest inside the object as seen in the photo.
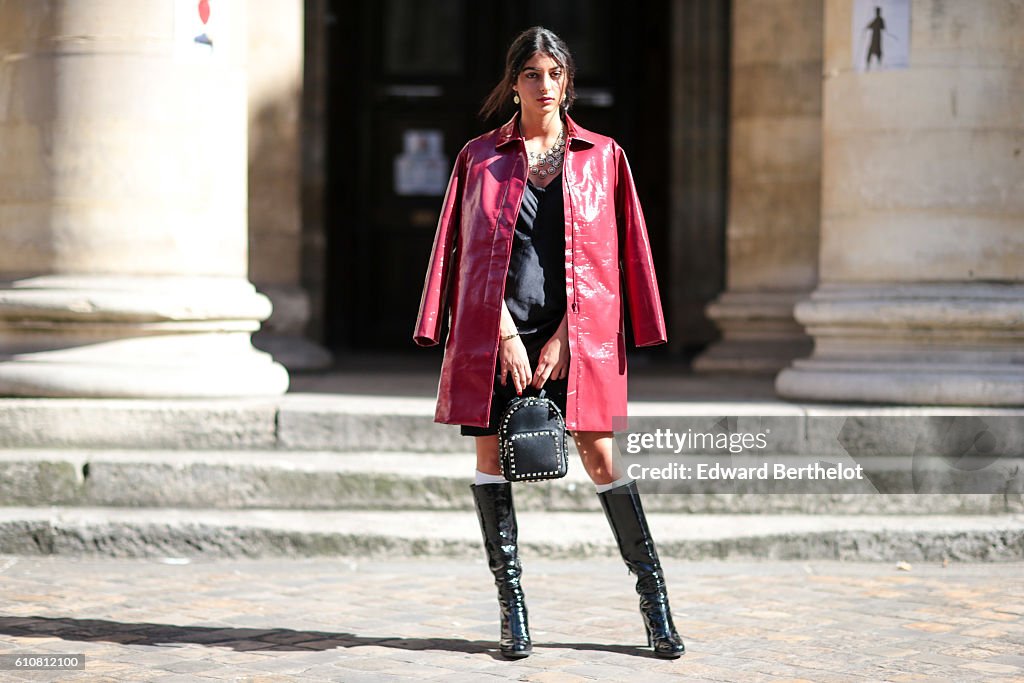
(421, 168)
(881, 35)
(198, 28)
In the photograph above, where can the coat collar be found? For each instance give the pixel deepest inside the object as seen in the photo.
(509, 133)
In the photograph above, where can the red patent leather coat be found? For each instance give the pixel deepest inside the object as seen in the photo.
(607, 251)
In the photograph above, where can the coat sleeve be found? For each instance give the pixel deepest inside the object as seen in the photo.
(635, 260)
(442, 258)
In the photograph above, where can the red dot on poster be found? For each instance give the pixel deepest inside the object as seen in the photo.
(204, 10)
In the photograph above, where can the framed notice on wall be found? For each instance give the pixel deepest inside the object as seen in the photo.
(421, 168)
(881, 35)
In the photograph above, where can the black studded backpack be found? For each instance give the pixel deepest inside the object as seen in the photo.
(531, 438)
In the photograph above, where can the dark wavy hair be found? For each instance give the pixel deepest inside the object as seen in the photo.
(533, 40)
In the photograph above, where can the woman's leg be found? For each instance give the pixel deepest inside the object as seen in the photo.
(625, 514)
(597, 450)
(487, 454)
(497, 516)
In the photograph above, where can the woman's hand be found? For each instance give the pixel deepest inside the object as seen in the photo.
(512, 353)
(554, 357)
(514, 361)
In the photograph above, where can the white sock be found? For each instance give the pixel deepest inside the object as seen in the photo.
(601, 488)
(484, 478)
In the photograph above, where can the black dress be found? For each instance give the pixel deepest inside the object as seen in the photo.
(534, 291)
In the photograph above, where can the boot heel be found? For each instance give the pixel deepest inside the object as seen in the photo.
(515, 631)
(661, 634)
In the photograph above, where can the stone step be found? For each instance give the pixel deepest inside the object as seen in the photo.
(361, 423)
(290, 422)
(384, 481)
(123, 532)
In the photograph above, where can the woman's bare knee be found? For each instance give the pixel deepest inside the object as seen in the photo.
(487, 454)
(598, 455)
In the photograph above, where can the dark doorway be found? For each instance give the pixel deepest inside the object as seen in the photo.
(405, 79)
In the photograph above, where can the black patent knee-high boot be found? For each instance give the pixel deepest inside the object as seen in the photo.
(498, 524)
(629, 524)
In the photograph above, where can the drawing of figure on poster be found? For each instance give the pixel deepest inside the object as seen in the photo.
(881, 35)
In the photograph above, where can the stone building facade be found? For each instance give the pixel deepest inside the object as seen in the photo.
(860, 234)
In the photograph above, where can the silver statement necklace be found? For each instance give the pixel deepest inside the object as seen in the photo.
(549, 161)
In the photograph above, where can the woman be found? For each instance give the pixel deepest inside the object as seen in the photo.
(540, 228)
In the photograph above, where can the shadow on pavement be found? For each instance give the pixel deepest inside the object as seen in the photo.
(250, 639)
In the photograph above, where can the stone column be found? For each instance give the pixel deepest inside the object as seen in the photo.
(698, 130)
(774, 186)
(276, 230)
(922, 255)
(123, 202)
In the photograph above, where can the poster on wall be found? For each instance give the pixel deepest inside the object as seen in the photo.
(881, 35)
(421, 168)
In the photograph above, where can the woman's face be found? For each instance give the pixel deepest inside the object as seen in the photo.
(541, 85)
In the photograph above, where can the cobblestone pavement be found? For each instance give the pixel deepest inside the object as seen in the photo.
(348, 620)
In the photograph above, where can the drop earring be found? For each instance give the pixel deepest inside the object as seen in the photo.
(515, 98)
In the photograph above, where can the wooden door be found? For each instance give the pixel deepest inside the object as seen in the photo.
(405, 81)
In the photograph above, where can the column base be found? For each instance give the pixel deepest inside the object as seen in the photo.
(936, 344)
(283, 333)
(294, 352)
(120, 337)
(257, 375)
(759, 333)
